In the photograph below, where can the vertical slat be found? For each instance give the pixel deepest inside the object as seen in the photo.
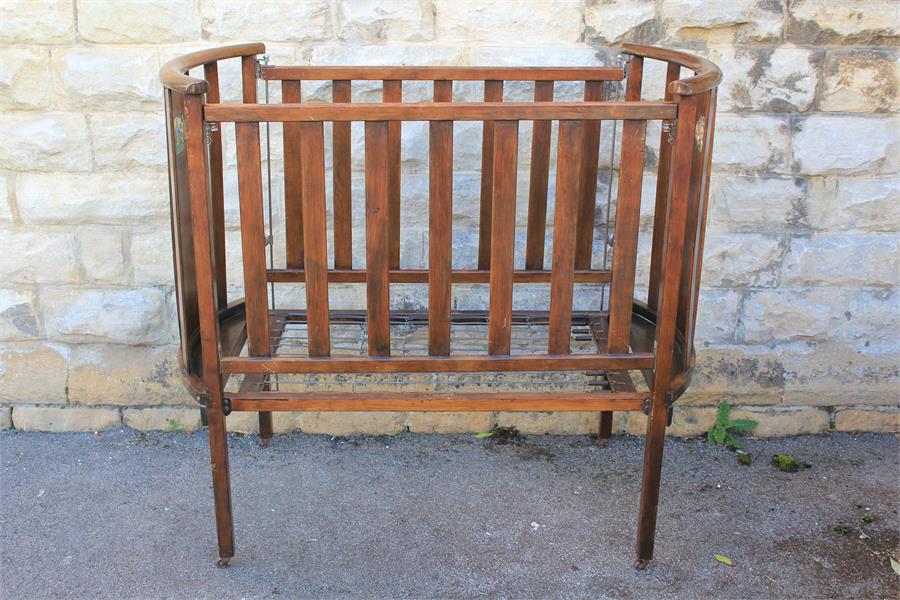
(293, 182)
(216, 187)
(673, 72)
(343, 208)
(590, 154)
(393, 92)
(377, 216)
(312, 155)
(253, 242)
(562, 275)
(628, 215)
(503, 219)
(538, 182)
(493, 92)
(440, 226)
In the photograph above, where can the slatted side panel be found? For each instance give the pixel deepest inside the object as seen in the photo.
(216, 188)
(293, 182)
(502, 241)
(628, 215)
(538, 182)
(590, 154)
(312, 155)
(493, 92)
(377, 246)
(440, 226)
(342, 182)
(393, 92)
(563, 270)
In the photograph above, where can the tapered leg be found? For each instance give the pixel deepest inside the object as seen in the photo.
(653, 453)
(265, 428)
(606, 418)
(218, 453)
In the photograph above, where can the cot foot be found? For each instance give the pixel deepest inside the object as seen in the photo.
(264, 442)
(602, 442)
(223, 562)
(642, 563)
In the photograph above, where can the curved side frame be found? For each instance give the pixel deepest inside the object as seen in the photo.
(706, 74)
(173, 75)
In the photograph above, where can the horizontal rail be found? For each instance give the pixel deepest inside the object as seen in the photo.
(437, 364)
(421, 276)
(706, 74)
(435, 402)
(441, 111)
(291, 73)
(173, 75)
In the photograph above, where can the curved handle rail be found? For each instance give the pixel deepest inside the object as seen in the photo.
(173, 74)
(706, 74)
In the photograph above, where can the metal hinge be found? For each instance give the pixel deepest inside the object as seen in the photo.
(269, 240)
(670, 127)
(262, 60)
(623, 61)
(226, 406)
(669, 410)
(208, 129)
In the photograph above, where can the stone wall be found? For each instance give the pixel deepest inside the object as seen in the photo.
(799, 311)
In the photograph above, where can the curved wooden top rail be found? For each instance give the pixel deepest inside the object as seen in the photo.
(706, 74)
(173, 74)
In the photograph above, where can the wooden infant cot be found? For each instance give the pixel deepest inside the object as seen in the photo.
(619, 354)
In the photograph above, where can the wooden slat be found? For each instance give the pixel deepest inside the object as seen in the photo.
(628, 216)
(590, 154)
(429, 111)
(562, 280)
(293, 182)
(377, 216)
(503, 234)
(673, 72)
(438, 364)
(421, 276)
(312, 155)
(216, 188)
(435, 402)
(248, 79)
(440, 226)
(341, 166)
(538, 182)
(493, 92)
(446, 73)
(393, 92)
(253, 242)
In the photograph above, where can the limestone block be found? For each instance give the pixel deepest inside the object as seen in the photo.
(613, 21)
(339, 423)
(738, 374)
(151, 257)
(18, 318)
(43, 256)
(45, 418)
(722, 22)
(248, 422)
(717, 316)
(24, 73)
(741, 203)
(102, 253)
(5, 417)
(372, 21)
(862, 419)
(557, 423)
(742, 259)
(843, 260)
(309, 21)
(687, 421)
(162, 419)
(5, 206)
(31, 372)
(154, 22)
(127, 140)
(126, 375)
(440, 422)
(508, 23)
(773, 316)
(751, 143)
(864, 22)
(92, 198)
(856, 204)
(132, 316)
(768, 79)
(781, 422)
(45, 142)
(31, 22)
(854, 145)
(108, 78)
(860, 81)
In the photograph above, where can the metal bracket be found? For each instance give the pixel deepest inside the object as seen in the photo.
(671, 128)
(646, 408)
(268, 240)
(208, 129)
(226, 406)
(623, 61)
(669, 411)
(262, 60)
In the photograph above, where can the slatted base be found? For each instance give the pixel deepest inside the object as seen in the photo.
(467, 392)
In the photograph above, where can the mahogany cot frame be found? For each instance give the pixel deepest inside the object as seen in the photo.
(654, 337)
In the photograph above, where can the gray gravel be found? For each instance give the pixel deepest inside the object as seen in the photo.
(129, 515)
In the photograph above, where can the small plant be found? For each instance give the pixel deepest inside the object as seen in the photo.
(745, 458)
(174, 425)
(868, 518)
(726, 430)
(788, 464)
(842, 529)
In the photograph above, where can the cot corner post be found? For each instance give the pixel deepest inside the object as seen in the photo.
(201, 214)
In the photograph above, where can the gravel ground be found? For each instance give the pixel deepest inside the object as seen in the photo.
(129, 515)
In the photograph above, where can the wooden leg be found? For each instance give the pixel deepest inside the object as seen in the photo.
(218, 453)
(265, 428)
(653, 453)
(606, 418)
